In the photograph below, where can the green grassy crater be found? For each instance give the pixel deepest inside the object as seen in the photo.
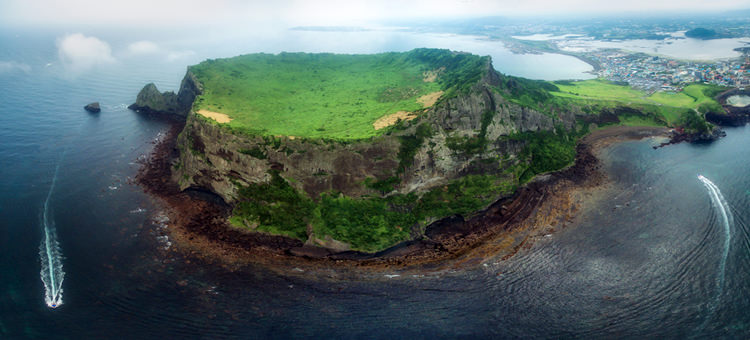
(322, 95)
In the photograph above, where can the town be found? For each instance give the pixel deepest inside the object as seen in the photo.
(655, 73)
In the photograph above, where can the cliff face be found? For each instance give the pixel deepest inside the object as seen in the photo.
(150, 100)
(463, 118)
(221, 162)
(213, 158)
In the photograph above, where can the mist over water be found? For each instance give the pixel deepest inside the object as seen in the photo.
(642, 260)
(678, 48)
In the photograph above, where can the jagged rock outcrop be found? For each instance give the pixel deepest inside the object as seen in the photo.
(699, 137)
(216, 159)
(150, 100)
(93, 107)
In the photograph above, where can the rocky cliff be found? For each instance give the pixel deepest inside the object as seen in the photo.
(150, 100)
(214, 158)
(469, 147)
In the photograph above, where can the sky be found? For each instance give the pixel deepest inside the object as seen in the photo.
(316, 12)
(81, 24)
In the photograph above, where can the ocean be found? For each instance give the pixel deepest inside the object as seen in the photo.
(663, 253)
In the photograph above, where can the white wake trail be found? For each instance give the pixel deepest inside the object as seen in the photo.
(50, 254)
(727, 220)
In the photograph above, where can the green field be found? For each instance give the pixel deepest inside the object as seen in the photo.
(668, 105)
(598, 89)
(319, 95)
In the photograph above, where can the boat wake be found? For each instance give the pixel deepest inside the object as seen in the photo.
(727, 220)
(50, 254)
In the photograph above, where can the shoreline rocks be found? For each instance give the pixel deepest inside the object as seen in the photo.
(201, 223)
(677, 137)
(93, 107)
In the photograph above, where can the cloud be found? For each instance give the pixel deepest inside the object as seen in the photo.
(146, 47)
(143, 47)
(12, 66)
(175, 55)
(80, 53)
(170, 14)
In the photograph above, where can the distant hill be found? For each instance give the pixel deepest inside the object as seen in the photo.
(702, 33)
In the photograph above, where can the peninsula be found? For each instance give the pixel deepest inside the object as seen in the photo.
(392, 154)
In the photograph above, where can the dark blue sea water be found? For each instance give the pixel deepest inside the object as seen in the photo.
(654, 257)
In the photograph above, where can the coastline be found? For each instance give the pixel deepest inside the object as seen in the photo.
(519, 48)
(595, 64)
(198, 226)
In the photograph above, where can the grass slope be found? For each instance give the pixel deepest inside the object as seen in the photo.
(667, 105)
(312, 95)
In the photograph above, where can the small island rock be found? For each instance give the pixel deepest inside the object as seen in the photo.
(93, 107)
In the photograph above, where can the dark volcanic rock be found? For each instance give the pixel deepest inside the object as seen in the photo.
(708, 137)
(151, 101)
(93, 107)
(728, 119)
(705, 137)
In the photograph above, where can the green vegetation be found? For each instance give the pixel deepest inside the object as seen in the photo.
(383, 186)
(464, 196)
(526, 92)
(546, 151)
(704, 34)
(274, 207)
(665, 106)
(375, 223)
(639, 121)
(694, 123)
(327, 95)
(459, 70)
(677, 99)
(703, 96)
(255, 152)
(368, 223)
